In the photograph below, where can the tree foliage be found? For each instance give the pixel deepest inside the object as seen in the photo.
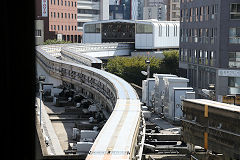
(129, 68)
(54, 41)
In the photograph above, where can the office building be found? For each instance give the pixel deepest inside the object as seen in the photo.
(155, 9)
(60, 19)
(174, 10)
(210, 45)
(91, 10)
(123, 9)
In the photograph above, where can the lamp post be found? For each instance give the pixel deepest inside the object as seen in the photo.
(41, 79)
(148, 65)
(124, 8)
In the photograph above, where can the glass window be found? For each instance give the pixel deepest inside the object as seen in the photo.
(234, 35)
(92, 28)
(144, 28)
(38, 33)
(233, 82)
(160, 30)
(234, 60)
(235, 11)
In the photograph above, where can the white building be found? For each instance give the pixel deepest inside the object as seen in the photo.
(91, 10)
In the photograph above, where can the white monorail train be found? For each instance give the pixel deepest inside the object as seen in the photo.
(120, 137)
(146, 34)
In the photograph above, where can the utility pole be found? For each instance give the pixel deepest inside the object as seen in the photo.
(148, 65)
(41, 80)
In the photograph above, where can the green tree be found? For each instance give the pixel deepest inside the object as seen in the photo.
(54, 41)
(170, 61)
(129, 68)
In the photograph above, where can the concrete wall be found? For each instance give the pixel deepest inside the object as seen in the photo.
(39, 27)
(49, 79)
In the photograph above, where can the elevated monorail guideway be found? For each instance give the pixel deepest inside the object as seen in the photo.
(121, 136)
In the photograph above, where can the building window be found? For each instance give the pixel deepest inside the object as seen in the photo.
(58, 15)
(69, 15)
(212, 58)
(65, 27)
(80, 24)
(54, 27)
(201, 57)
(58, 27)
(195, 35)
(75, 4)
(62, 2)
(195, 57)
(181, 54)
(234, 85)
(68, 3)
(62, 15)
(65, 3)
(206, 53)
(54, 14)
(234, 60)
(234, 35)
(88, 11)
(207, 12)
(38, 33)
(62, 27)
(235, 11)
(65, 15)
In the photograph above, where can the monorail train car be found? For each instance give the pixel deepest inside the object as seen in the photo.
(146, 34)
(121, 137)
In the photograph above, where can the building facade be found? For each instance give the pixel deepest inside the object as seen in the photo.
(210, 45)
(88, 10)
(123, 9)
(155, 9)
(91, 10)
(174, 10)
(39, 32)
(60, 19)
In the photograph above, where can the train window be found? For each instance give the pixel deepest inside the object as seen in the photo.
(144, 28)
(160, 30)
(92, 28)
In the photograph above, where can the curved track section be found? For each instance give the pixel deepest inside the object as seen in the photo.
(121, 135)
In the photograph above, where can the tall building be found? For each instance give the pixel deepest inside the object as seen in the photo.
(210, 45)
(88, 10)
(174, 10)
(123, 9)
(60, 19)
(155, 9)
(140, 9)
(91, 10)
